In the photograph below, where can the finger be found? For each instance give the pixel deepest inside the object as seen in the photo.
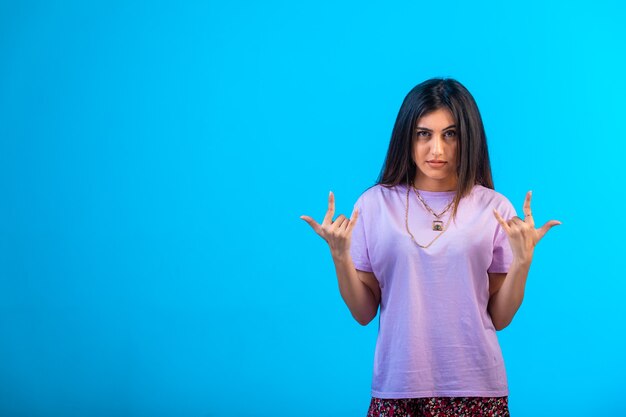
(500, 220)
(353, 218)
(315, 225)
(541, 232)
(328, 218)
(341, 219)
(528, 214)
(515, 223)
(344, 226)
(515, 220)
(347, 225)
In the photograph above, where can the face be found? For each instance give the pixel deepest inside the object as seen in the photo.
(434, 151)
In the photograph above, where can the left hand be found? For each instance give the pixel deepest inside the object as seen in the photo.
(522, 234)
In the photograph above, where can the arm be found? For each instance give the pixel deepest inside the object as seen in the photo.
(506, 292)
(359, 289)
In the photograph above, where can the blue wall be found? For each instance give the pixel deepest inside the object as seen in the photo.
(155, 159)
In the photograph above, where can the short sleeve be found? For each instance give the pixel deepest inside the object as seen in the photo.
(358, 244)
(502, 254)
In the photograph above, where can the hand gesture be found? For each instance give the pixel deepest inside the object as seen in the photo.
(522, 234)
(336, 233)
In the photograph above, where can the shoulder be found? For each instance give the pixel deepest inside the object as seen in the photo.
(488, 197)
(488, 194)
(378, 192)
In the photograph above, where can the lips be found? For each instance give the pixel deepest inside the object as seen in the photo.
(436, 164)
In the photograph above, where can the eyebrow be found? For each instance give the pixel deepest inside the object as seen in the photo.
(430, 130)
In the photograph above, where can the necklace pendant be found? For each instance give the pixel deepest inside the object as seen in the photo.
(437, 225)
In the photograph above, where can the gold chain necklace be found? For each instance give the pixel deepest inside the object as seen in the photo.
(437, 224)
(443, 229)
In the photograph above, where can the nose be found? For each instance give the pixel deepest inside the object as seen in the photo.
(437, 146)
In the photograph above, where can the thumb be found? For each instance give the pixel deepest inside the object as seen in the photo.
(549, 225)
(314, 225)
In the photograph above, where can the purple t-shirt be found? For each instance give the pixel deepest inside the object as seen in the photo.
(435, 336)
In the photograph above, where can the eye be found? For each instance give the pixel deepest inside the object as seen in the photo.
(450, 133)
(422, 133)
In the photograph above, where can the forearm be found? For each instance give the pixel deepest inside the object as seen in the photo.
(357, 296)
(507, 300)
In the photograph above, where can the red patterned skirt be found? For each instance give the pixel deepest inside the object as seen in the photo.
(440, 407)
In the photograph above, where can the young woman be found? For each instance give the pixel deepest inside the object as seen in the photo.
(442, 254)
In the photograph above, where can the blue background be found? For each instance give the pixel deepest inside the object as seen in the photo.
(155, 158)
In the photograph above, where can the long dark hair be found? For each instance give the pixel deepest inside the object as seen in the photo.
(473, 165)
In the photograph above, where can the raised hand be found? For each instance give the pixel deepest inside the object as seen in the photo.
(336, 233)
(522, 234)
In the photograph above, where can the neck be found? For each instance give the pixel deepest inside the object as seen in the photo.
(429, 184)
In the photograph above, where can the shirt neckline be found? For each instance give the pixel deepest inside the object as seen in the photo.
(424, 193)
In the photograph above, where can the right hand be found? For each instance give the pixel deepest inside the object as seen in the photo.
(336, 233)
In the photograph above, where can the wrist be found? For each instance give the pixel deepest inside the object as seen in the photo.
(340, 255)
(522, 262)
